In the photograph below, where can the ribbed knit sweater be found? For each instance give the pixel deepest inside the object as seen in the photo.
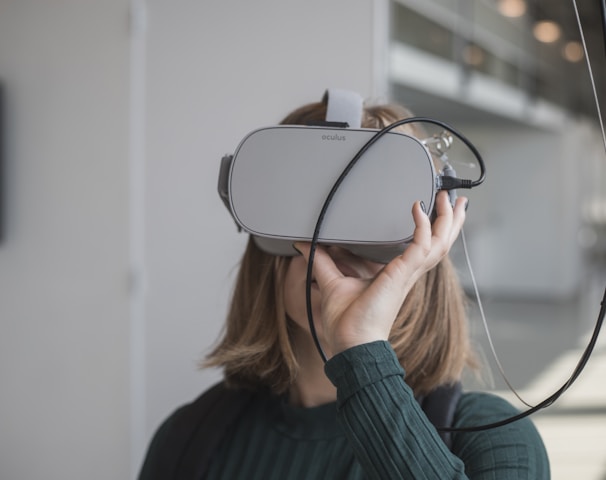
(375, 430)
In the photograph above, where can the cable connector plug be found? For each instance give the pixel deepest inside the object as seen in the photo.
(452, 183)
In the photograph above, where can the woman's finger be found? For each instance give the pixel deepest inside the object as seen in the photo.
(404, 269)
(442, 224)
(459, 214)
(324, 268)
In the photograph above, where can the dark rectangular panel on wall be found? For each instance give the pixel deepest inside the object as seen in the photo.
(2, 156)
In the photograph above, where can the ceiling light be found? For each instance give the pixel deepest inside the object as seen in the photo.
(546, 31)
(573, 52)
(512, 8)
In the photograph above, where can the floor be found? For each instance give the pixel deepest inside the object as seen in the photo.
(538, 344)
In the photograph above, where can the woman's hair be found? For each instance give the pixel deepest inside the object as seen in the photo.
(429, 336)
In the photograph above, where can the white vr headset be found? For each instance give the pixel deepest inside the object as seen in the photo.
(278, 179)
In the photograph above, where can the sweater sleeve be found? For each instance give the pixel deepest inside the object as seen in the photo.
(392, 438)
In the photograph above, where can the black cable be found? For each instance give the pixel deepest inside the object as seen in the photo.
(452, 183)
(586, 353)
(552, 398)
(448, 183)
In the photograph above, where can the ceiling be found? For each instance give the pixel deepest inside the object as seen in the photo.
(575, 79)
(568, 83)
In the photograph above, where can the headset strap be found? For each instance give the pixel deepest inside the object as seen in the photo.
(343, 106)
(440, 406)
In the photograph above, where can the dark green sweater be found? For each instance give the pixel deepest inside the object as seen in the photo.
(376, 430)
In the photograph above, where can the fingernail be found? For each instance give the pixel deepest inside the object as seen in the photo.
(422, 205)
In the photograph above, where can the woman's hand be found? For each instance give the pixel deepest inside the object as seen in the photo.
(359, 310)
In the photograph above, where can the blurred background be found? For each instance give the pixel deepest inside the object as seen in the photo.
(117, 256)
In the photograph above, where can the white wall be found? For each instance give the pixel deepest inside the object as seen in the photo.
(119, 257)
(525, 220)
(216, 70)
(64, 331)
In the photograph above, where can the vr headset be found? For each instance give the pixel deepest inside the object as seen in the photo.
(276, 182)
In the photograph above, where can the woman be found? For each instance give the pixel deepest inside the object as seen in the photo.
(394, 335)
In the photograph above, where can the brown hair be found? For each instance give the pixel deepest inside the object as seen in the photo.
(430, 335)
